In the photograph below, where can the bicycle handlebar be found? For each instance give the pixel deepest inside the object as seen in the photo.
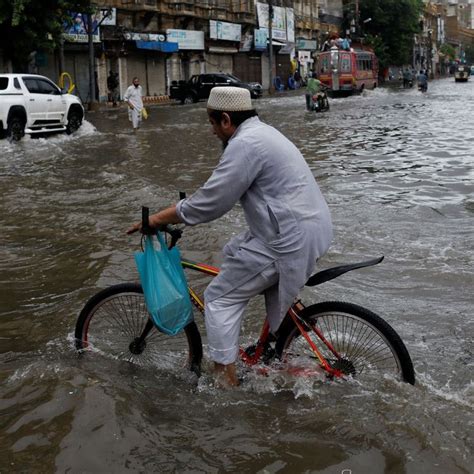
(174, 232)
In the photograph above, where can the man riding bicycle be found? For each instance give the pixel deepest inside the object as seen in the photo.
(289, 224)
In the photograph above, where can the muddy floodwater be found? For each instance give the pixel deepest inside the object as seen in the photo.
(396, 167)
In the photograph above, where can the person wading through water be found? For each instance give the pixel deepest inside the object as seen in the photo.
(289, 224)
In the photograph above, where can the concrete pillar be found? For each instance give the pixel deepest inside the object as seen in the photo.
(265, 64)
(123, 76)
(101, 65)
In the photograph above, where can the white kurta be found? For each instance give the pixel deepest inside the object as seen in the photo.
(288, 218)
(134, 96)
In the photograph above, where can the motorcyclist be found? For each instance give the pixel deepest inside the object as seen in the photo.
(313, 87)
(422, 79)
(407, 78)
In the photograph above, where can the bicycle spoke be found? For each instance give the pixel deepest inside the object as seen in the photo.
(361, 347)
(120, 320)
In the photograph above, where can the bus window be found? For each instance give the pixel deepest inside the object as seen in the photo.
(345, 63)
(325, 64)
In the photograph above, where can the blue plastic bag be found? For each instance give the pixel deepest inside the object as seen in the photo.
(164, 285)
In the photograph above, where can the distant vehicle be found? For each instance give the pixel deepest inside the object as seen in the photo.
(462, 73)
(347, 72)
(199, 87)
(33, 104)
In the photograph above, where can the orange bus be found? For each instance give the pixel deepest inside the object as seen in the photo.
(347, 72)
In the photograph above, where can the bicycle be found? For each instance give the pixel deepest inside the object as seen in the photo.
(338, 338)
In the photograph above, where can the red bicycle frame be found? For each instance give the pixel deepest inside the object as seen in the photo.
(294, 313)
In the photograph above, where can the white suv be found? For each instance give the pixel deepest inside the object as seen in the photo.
(33, 104)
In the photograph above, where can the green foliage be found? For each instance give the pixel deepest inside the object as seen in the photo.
(380, 49)
(448, 51)
(392, 28)
(32, 25)
(469, 50)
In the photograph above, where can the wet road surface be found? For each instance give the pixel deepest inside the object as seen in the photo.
(396, 168)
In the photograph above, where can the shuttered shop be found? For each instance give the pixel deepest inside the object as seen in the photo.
(248, 68)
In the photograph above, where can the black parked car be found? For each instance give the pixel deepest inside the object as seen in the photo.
(199, 87)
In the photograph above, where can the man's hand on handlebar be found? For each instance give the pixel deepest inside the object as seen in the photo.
(155, 221)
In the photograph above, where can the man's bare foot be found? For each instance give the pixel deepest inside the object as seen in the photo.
(226, 375)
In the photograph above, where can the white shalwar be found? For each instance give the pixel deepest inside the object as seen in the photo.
(289, 229)
(134, 96)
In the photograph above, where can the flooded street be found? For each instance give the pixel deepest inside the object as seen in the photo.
(396, 168)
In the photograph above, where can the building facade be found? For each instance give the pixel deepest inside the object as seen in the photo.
(443, 23)
(161, 41)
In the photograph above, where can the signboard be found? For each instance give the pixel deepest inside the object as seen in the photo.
(246, 43)
(290, 25)
(75, 31)
(108, 16)
(261, 38)
(278, 21)
(309, 45)
(143, 37)
(224, 31)
(186, 39)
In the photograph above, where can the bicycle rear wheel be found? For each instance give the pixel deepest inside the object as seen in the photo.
(366, 344)
(113, 319)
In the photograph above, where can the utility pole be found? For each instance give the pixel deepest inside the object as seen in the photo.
(62, 63)
(356, 15)
(92, 102)
(270, 46)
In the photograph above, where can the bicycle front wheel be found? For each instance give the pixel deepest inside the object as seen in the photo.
(364, 343)
(113, 320)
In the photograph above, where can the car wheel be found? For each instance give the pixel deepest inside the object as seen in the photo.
(16, 129)
(74, 122)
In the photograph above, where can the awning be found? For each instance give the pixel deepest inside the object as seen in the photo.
(277, 43)
(163, 46)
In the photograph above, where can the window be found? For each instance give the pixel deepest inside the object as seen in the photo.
(325, 64)
(16, 84)
(345, 63)
(32, 85)
(47, 87)
(222, 79)
(207, 79)
(3, 83)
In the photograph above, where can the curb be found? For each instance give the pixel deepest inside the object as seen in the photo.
(158, 99)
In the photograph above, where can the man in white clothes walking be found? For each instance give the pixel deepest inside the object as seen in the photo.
(133, 97)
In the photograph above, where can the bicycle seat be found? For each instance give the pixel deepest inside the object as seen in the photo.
(334, 272)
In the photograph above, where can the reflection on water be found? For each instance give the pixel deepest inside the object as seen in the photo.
(396, 168)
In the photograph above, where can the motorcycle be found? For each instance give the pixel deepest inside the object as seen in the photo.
(423, 87)
(320, 102)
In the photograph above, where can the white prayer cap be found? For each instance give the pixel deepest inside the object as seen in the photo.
(230, 99)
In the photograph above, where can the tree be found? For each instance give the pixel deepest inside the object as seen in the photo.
(448, 51)
(32, 25)
(391, 29)
(469, 51)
